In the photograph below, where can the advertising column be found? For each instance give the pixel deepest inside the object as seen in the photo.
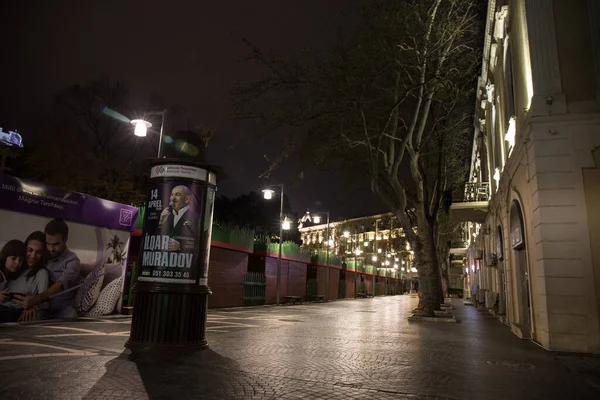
(171, 293)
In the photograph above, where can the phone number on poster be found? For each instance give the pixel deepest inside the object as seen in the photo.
(171, 274)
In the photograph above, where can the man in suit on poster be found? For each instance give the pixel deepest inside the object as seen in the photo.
(179, 222)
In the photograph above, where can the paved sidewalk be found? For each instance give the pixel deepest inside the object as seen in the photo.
(352, 349)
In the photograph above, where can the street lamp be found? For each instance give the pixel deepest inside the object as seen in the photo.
(268, 195)
(329, 242)
(141, 128)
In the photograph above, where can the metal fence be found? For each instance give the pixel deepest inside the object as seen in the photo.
(477, 191)
(312, 287)
(255, 289)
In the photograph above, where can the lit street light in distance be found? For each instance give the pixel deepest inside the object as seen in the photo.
(268, 194)
(317, 219)
(374, 258)
(346, 234)
(286, 224)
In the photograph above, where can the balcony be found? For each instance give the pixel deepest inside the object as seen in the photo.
(474, 207)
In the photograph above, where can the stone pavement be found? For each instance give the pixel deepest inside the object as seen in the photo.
(350, 349)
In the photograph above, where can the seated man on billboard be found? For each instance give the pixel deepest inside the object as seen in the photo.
(178, 221)
(63, 268)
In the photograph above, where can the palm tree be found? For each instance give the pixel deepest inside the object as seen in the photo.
(116, 245)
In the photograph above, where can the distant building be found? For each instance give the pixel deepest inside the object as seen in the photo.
(532, 220)
(376, 240)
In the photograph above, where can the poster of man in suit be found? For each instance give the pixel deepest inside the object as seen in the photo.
(179, 221)
(172, 227)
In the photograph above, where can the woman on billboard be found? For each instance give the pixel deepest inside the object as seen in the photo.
(31, 277)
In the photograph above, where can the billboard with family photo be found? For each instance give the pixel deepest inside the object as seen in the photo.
(78, 270)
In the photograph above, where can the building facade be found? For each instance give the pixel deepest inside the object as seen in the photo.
(375, 240)
(531, 208)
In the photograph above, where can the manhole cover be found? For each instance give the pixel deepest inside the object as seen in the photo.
(512, 365)
(289, 320)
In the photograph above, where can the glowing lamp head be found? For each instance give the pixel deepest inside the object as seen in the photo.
(286, 224)
(374, 258)
(346, 234)
(317, 219)
(141, 127)
(268, 194)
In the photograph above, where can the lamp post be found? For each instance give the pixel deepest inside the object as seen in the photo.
(268, 195)
(355, 260)
(141, 128)
(317, 219)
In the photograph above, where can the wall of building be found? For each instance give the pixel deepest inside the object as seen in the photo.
(591, 182)
(550, 171)
(562, 146)
(575, 54)
(322, 281)
(350, 284)
(296, 279)
(225, 277)
(334, 281)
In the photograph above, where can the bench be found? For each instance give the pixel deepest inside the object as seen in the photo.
(364, 295)
(293, 299)
(320, 297)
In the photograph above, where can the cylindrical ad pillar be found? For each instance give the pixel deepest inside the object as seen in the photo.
(170, 301)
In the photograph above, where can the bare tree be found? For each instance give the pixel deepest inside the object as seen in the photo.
(391, 104)
(83, 149)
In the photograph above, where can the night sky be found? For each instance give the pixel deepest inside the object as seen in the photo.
(185, 51)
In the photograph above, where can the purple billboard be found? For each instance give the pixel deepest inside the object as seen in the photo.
(35, 198)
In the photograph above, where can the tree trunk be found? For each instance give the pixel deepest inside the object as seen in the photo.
(430, 294)
(444, 276)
